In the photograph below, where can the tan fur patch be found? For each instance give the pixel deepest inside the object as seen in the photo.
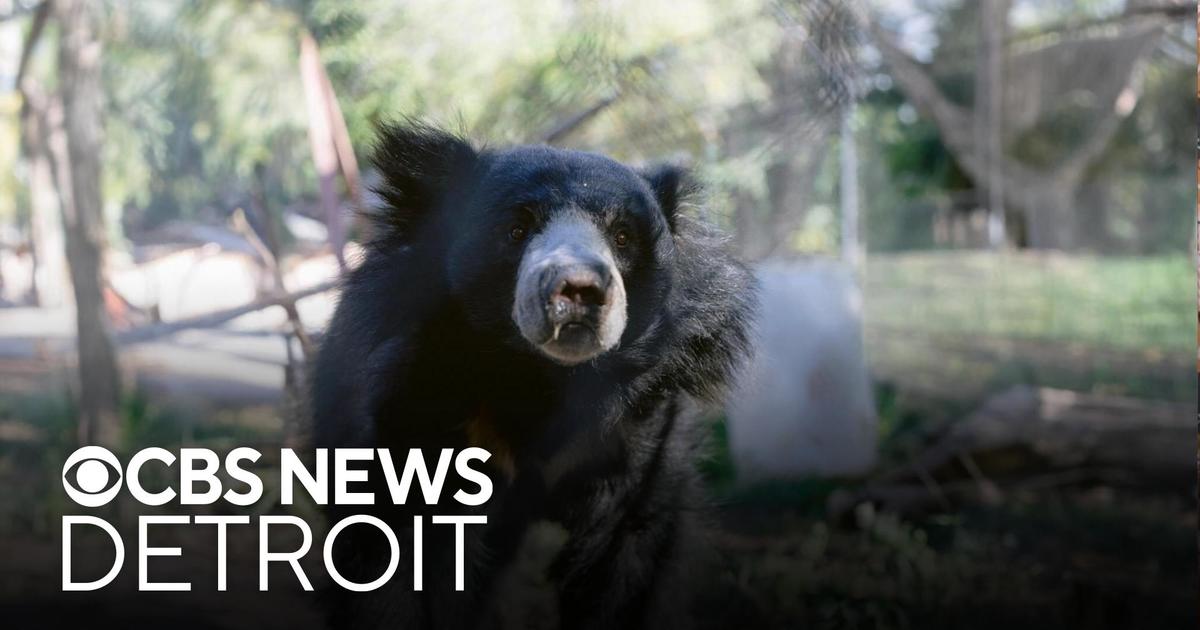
(481, 432)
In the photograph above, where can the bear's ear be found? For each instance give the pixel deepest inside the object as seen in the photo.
(672, 185)
(418, 164)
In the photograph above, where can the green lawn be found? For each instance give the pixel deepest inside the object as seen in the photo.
(955, 327)
(1140, 304)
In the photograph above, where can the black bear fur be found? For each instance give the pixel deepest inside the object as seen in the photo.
(421, 353)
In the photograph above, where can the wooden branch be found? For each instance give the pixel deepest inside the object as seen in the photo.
(1076, 164)
(320, 137)
(268, 253)
(1163, 12)
(218, 318)
(573, 122)
(1046, 191)
(347, 161)
(955, 122)
(919, 86)
(35, 33)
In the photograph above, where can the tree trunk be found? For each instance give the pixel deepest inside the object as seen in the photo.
(1045, 194)
(48, 284)
(989, 99)
(83, 219)
(749, 228)
(1050, 221)
(848, 189)
(320, 137)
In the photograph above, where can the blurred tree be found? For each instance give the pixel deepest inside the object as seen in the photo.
(49, 278)
(989, 104)
(200, 93)
(321, 105)
(811, 76)
(79, 57)
(1052, 136)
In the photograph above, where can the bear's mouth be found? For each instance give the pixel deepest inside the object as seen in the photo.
(571, 343)
(574, 333)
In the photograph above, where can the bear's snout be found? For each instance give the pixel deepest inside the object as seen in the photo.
(570, 299)
(577, 294)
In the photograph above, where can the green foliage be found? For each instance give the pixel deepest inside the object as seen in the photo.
(197, 96)
(200, 94)
(912, 180)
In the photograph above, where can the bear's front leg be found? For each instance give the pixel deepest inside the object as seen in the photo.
(361, 557)
(627, 573)
(630, 532)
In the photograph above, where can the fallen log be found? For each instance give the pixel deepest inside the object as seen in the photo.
(1027, 437)
(213, 320)
(1069, 429)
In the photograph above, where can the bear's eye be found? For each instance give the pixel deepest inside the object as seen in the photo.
(621, 238)
(518, 233)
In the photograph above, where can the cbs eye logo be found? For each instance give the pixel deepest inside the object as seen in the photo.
(92, 476)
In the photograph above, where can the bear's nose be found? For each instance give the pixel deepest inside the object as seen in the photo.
(577, 290)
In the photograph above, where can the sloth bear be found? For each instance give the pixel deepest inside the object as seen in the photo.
(564, 312)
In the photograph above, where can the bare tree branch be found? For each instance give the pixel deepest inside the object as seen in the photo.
(1162, 12)
(563, 128)
(35, 33)
(1045, 193)
(953, 120)
(321, 140)
(1077, 163)
(268, 253)
(218, 318)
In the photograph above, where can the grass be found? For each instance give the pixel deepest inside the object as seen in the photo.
(960, 325)
(1139, 304)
